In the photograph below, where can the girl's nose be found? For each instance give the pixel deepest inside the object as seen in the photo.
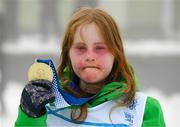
(90, 57)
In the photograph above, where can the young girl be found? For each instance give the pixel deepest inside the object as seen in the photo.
(93, 60)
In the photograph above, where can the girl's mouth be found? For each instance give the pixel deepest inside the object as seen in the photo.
(93, 67)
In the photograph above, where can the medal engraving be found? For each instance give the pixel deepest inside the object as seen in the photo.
(40, 71)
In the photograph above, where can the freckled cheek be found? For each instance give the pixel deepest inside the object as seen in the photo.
(80, 65)
(77, 63)
(107, 63)
(105, 58)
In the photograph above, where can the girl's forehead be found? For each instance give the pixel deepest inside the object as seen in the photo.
(88, 32)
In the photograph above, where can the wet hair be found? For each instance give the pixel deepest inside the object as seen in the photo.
(113, 40)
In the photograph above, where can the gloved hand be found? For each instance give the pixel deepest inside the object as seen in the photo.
(35, 96)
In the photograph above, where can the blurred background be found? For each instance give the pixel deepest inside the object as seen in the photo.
(150, 29)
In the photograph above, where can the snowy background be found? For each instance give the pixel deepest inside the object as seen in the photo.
(32, 29)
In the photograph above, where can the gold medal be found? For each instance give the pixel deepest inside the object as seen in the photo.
(40, 71)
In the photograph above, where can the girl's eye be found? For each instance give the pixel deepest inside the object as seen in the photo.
(80, 47)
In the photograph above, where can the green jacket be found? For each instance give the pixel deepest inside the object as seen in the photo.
(153, 117)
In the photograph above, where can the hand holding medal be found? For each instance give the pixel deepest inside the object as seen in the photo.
(37, 92)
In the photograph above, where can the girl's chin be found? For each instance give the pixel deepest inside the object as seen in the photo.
(91, 81)
(91, 78)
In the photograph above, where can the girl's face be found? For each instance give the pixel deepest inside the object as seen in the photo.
(90, 57)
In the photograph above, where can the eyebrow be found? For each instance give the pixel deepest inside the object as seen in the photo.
(96, 43)
(78, 43)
